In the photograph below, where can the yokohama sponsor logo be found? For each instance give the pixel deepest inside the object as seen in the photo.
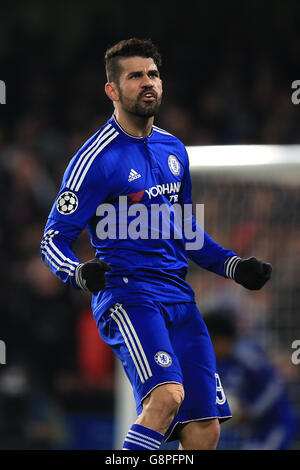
(167, 188)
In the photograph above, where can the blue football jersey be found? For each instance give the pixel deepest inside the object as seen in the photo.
(114, 166)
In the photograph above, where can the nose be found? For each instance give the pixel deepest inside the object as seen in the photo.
(146, 82)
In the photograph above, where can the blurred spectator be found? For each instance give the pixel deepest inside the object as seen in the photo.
(29, 418)
(263, 415)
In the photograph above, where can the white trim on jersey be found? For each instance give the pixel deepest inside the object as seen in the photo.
(88, 164)
(138, 137)
(48, 237)
(230, 266)
(62, 266)
(94, 144)
(62, 263)
(58, 268)
(161, 131)
(132, 342)
(88, 156)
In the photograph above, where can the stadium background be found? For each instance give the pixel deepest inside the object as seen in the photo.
(227, 71)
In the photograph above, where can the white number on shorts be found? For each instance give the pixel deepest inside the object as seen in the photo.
(220, 400)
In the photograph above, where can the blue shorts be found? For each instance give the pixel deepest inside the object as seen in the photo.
(158, 344)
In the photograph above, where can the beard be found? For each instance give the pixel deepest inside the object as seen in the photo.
(138, 107)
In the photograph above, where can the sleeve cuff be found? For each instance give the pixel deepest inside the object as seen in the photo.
(230, 266)
(80, 282)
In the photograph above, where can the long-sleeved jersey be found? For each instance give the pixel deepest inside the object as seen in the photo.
(101, 187)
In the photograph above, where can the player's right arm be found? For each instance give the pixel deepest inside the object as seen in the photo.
(84, 187)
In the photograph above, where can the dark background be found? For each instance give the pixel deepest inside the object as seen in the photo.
(227, 74)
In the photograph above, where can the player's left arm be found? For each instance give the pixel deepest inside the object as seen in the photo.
(251, 273)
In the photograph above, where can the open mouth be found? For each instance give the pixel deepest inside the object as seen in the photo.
(148, 96)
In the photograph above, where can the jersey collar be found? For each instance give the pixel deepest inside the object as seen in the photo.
(127, 133)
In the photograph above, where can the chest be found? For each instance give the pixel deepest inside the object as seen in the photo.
(149, 172)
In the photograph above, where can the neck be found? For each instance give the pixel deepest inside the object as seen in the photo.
(134, 125)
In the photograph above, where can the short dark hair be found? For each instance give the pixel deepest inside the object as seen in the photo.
(129, 48)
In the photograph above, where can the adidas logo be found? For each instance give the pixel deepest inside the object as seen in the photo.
(133, 175)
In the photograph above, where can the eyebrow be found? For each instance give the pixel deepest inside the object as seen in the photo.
(140, 72)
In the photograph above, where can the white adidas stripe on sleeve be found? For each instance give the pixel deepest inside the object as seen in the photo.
(90, 148)
(88, 156)
(54, 256)
(90, 161)
(230, 266)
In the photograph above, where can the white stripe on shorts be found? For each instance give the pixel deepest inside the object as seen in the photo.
(132, 342)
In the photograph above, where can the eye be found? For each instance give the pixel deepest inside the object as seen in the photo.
(135, 75)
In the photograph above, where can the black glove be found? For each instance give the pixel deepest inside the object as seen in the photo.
(252, 273)
(91, 275)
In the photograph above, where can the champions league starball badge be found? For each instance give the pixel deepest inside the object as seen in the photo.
(67, 203)
(174, 165)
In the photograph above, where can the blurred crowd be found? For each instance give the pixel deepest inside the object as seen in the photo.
(255, 219)
(59, 375)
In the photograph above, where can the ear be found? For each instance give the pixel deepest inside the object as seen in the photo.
(111, 91)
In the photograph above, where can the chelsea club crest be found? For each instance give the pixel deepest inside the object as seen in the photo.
(163, 359)
(174, 165)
